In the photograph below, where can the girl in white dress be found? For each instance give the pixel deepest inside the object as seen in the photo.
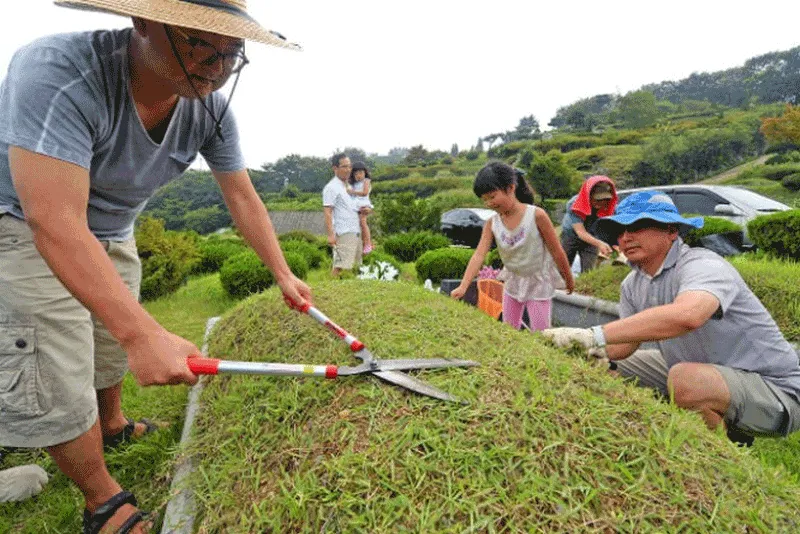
(534, 264)
(359, 187)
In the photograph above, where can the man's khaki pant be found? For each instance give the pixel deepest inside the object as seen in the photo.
(53, 352)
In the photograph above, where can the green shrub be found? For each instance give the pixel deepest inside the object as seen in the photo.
(313, 255)
(778, 234)
(298, 263)
(167, 257)
(406, 213)
(244, 274)
(792, 182)
(779, 172)
(711, 225)
(299, 235)
(214, 252)
(786, 157)
(443, 263)
(493, 259)
(410, 246)
(421, 187)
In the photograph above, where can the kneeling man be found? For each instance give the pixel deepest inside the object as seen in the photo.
(721, 353)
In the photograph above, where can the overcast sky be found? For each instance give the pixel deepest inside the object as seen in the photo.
(378, 74)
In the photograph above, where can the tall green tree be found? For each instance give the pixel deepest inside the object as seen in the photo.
(638, 109)
(549, 174)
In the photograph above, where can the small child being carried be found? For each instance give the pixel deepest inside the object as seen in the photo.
(359, 187)
(528, 245)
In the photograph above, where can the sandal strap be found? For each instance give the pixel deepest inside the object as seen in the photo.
(137, 517)
(93, 522)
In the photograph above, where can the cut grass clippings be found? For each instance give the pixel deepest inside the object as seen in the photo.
(546, 443)
(144, 467)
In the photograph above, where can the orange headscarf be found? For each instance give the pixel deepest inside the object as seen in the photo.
(582, 205)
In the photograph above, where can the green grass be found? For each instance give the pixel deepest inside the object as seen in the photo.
(145, 468)
(546, 443)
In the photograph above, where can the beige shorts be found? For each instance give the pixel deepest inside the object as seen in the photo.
(53, 352)
(756, 406)
(347, 251)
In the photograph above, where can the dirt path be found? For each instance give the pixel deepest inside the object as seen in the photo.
(730, 173)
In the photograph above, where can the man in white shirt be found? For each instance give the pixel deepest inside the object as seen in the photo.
(341, 217)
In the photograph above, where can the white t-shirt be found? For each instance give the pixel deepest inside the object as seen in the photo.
(345, 210)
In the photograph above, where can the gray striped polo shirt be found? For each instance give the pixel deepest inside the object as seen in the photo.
(68, 96)
(742, 335)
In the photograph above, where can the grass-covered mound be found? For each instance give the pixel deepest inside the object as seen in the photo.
(547, 443)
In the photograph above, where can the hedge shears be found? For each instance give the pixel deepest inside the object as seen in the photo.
(387, 370)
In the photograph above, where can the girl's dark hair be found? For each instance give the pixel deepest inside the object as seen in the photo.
(497, 175)
(358, 166)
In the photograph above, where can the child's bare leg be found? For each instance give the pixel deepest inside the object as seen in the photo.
(366, 237)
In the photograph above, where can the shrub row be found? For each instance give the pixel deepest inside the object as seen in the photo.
(408, 247)
(244, 274)
(421, 187)
(443, 263)
(778, 234)
(167, 257)
(711, 225)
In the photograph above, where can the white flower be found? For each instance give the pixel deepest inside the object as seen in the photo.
(379, 271)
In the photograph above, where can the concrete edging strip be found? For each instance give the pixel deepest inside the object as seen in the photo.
(181, 509)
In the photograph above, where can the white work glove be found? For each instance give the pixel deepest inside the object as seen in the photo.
(584, 337)
(20, 483)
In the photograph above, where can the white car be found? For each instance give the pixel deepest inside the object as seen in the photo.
(736, 204)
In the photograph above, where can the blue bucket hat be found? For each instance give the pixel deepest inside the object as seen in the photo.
(652, 205)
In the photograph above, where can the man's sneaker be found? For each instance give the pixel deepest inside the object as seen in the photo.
(367, 249)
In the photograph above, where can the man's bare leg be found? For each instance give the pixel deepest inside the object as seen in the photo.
(82, 461)
(701, 388)
(112, 420)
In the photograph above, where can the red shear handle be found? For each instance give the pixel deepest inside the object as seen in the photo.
(203, 366)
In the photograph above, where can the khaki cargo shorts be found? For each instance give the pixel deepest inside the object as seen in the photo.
(53, 352)
(756, 406)
(347, 251)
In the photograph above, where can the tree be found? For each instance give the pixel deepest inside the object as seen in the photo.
(549, 174)
(783, 129)
(528, 128)
(307, 173)
(454, 150)
(638, 109)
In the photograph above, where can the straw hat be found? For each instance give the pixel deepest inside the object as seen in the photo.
(224, 17)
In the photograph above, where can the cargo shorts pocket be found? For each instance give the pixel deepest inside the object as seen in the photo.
(18, 372)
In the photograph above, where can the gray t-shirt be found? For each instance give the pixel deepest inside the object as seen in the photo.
(68, 96)
(742, 335)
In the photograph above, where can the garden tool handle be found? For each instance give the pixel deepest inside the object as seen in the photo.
(213, 366)
(355, 344)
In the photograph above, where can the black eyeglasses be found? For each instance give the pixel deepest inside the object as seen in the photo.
(207, 54)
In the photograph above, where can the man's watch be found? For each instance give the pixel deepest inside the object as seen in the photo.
(599, 336)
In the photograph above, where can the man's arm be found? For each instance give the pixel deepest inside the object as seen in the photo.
(251, 218)
(688, 312)
(54, 196)
(329, 225)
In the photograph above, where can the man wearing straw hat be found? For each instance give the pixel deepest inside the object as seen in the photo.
(91, 124)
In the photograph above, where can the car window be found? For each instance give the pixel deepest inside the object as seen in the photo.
(754, 200)
(699, 202)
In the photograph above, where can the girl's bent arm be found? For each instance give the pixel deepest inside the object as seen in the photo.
(548, 233)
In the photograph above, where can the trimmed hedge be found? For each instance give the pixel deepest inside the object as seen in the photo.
(779, 172)
(410, 246)
(313, 255)
(421, 187)
(791, 182)
(244, 274)
(778, 234)
(168, 257)
(299, 235)
(213, 254)
(711, 226)
(443, 263)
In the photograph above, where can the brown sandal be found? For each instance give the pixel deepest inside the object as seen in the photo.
(127, 433)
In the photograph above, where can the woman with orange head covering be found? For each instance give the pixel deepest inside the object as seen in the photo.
(597, 198)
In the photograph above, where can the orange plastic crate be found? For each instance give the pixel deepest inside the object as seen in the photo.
(490, 297)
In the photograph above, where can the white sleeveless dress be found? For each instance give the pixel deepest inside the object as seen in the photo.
(529, 271)
(361, 202)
